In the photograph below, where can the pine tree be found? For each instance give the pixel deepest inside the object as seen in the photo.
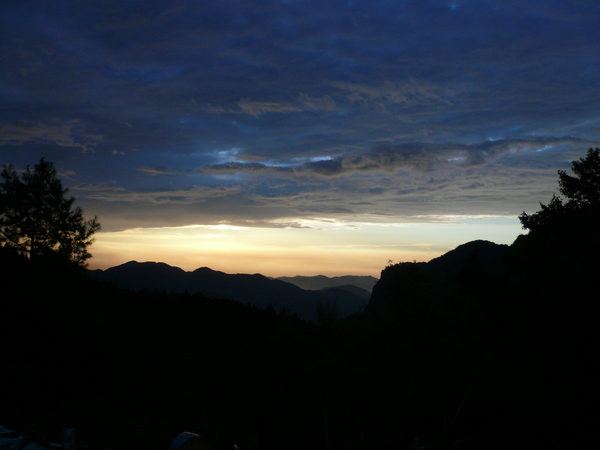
(38, 219)
(579, 214)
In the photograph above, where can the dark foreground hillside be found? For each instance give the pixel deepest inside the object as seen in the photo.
(485, 347)
(500, 342)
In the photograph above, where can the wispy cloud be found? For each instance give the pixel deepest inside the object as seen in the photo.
(408, 93)
(324, 103)
(180, 196)
(65, 134)
(256, 108)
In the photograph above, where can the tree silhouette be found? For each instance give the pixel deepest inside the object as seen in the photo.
(37, 219)
(584, 188)
(582, 207)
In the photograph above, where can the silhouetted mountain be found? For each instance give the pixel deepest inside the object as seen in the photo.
(321, 282)
(350, 288)
(255, 289)
(490, 256)
(147, 275)
(441, 276)
(516, 320)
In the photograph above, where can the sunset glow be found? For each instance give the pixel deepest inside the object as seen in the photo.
(319, 247)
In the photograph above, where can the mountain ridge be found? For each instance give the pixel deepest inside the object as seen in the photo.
(318, 282)
(255, 289)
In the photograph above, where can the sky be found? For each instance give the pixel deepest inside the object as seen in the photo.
(300, 137)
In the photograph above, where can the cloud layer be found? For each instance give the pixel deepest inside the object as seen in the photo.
(270, 112)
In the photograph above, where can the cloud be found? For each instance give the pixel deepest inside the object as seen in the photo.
(69, 134)
(242, 167)
(324, 103)
(95, 188)
(177, 196)
(389, 158)
(160, 170)
(409, 92)
(514, 179)
(256, 108)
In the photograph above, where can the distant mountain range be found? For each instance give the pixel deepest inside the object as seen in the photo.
(322, 282)
(345, 299)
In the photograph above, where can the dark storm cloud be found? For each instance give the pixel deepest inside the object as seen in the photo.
(329, 103)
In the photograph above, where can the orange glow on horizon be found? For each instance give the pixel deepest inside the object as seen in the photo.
(322, 248)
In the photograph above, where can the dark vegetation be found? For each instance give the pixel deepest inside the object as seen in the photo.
(488, 346)
(38, 219)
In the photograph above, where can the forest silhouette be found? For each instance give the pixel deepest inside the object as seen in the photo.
(488, 346)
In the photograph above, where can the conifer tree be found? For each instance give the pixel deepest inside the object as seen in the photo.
(38, 219)
(580, 212)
